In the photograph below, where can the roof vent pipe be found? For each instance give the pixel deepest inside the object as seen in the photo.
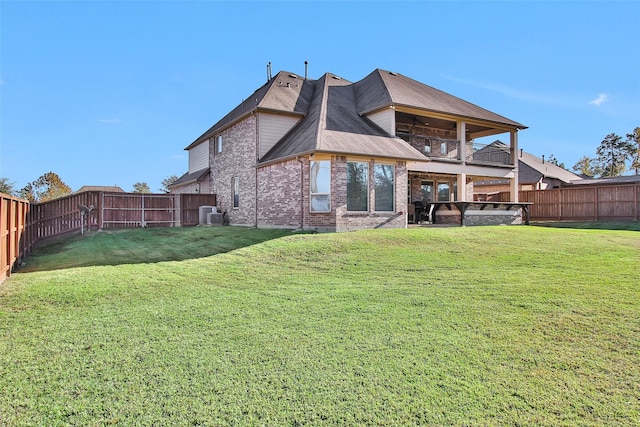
(521, 152)
(543, 158)
(306, 69)
(269, 71)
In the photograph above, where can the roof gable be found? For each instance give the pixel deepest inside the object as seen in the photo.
(333, 125)
(286, 92)
(382, 88)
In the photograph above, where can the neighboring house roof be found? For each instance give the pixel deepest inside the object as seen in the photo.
(544, 168)
(381, 89)
(532, 169)
(627, 179)
(189, 178)
(105, 188)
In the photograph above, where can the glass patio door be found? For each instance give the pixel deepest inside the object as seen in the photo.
(426, 190)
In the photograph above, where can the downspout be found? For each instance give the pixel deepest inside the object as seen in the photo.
(301, 192)
(257, 160)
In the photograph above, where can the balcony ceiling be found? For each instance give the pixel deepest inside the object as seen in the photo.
(473, 130)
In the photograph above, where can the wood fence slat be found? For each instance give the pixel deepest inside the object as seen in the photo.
(23, 224)
(15, 243)
(582, 203)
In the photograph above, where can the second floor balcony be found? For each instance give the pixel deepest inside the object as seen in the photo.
(442, 149)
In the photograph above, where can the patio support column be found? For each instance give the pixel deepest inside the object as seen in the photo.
(514, 160)
(461, 127)
(462, 138)
(462, 187)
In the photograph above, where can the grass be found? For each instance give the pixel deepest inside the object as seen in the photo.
(449, 326)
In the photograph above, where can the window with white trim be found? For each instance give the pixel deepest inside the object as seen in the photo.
(320, 186)
(357, 186)
(218, 144)
(383, 179)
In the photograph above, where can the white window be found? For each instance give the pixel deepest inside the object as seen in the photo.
(219, 144)
(443, 192)
(427, 146)
(383, 178)
(357, 186)
(320, 186)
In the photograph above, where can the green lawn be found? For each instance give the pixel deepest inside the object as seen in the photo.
(475, 326)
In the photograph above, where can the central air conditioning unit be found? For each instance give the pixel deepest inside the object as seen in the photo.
(203, 212)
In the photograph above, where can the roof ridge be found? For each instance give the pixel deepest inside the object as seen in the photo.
(322, 115)
(271, 83)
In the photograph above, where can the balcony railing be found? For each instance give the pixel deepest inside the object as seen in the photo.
(497, 154)
(449, 149)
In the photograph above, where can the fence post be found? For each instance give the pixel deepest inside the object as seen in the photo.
(101, 209)
(595, 203)
(635, 198)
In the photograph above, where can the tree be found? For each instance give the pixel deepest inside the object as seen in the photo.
(167, 182)
(48, 187)
(613, 154)
(588, 167)
(141, 187)
(633, 139)
(6, 186)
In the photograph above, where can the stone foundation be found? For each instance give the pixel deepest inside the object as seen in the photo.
(474, 215)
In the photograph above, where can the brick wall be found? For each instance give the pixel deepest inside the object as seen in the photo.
(279, 195)
(237, 159)
(279, 204)
(347, 221)
(281, 198)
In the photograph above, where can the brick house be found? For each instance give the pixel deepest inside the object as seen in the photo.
(333, 155)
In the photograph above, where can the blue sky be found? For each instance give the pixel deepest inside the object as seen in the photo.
(110, 93)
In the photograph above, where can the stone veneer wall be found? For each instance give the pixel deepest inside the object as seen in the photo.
(475, 216)
(418, 144)
(238, 159)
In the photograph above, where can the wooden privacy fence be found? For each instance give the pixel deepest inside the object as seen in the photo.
(16, 239)
(585, 203)
(23, 224)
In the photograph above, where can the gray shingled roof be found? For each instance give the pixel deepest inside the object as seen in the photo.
(294, 100)
(625, 179)
(333, 125)
(383, 88)
(533, 168)
(332, 112)
(190, 177)
(105, 188)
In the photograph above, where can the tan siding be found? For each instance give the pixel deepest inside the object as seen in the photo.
(199, 157)
(385, 119)
(272, 127)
